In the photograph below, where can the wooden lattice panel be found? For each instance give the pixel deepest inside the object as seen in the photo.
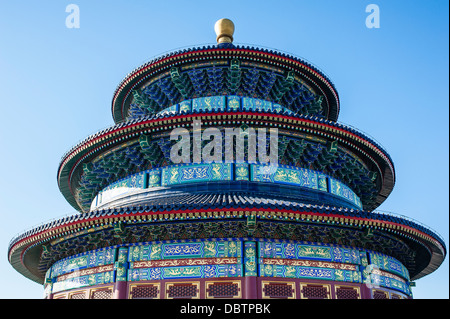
(313, 291)
(347, 292)
(379, 294)
(278, 290)
(183, 290)
(144, 291)
(105, 293)
(223, 289)
(78, 295)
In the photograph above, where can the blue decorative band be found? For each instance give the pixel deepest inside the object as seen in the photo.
(211, 172)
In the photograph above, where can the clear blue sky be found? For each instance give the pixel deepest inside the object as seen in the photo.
(56, 86)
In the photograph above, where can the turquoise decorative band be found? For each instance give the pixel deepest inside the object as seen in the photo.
(203, 249)
(196, 173)
(90, 259)
(221, 103)
(310, 252)
(211, 172)
(201, 271)
(387, 263)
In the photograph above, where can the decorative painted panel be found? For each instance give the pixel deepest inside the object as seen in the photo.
(84, 281)
(195, 173)
(210, 103)
(185, 106)
(391, 283)
(233, 103)
(342, 190)
(251, 104)
(310, 252)
(202, 249)
(389, 264)
(121, 264)
(206, 172)
(90, 259)
(284, 175)
(250, 258)
(154, 178)
(241, 172)
(200, 271)
(285, 271)
(322, 182)
(220, 103)
(119, 188)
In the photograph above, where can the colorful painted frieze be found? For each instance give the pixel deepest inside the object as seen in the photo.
(322, 184)
(391, 283)
(121, 264)
(284, 175)
(230, 103)
(310, 252)
(241, 172)
(121, 187)
(290, 271)
(250, 258)
(210, 103)
(252, 104)
(342, 190)
(185, 106)
(202, 249)
(154, 178)
(277, 108)
(84, 281)
(90, 259)
(233, 103)
(201, 271)
(195, 173)
(389, 264)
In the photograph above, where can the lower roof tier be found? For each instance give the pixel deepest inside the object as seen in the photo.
(236, 215)
(225, 263)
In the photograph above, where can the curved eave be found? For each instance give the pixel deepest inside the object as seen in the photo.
(113, 136)
(309, 73)
(24, 251)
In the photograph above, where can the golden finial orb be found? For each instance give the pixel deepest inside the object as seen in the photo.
(224, 29)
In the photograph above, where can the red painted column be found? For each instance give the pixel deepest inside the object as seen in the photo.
(120, 290)
(250, 287)
(250, 270)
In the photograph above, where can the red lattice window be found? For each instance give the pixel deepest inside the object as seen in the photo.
(395, 296)
(145, 292)
(378, 294)
(315, 292)
(223, 290)
(347, 293)
(278, 290)
(182, 290)
(78, 295)
(101, 294)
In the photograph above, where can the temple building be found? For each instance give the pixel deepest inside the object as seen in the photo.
(226, 174)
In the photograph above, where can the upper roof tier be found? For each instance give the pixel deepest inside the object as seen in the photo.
(225, 69)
